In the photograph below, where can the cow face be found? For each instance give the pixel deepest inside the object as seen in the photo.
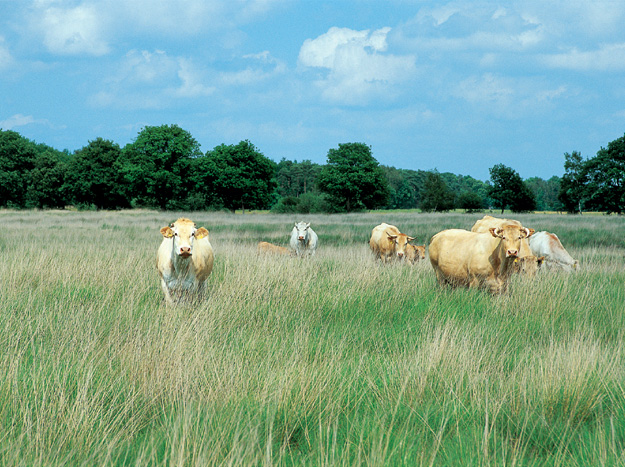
(302, 231)
(184, 233)
(511, 236)
(415, 253)
(399, 243)
(528, 265)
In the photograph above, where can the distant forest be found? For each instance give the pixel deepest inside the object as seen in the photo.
(164, 168)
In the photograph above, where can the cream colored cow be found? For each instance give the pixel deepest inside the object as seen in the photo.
(387, 242)
(471, 259)
(526, 262)
(184, 259)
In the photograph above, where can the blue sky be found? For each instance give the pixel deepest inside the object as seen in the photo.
(458, 86)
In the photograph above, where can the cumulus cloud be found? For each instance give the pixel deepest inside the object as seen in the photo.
(72, 31)
(358, 67)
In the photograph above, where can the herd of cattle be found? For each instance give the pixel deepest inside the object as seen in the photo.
(484, 257)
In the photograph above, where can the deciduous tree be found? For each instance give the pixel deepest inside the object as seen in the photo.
(353, 179)
(508, 190)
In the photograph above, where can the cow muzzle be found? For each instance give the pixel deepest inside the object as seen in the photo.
(185, 251)
(511, 253)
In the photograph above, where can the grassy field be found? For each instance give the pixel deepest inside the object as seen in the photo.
(334, 360)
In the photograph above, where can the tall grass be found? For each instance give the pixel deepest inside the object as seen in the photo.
(333, 360)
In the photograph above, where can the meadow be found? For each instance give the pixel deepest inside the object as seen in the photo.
(332, 360)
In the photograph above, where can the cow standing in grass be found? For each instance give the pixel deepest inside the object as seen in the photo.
(526, 261)
(303, 239)
(471, 259)
(387, 242)
(184, 259)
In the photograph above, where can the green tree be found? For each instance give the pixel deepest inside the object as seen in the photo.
(509, 191)
(470, 201)
(296, 178)
(17, 159)
(605, 178)
(404, 187)
(94, 176)
(353, 179)
(435, 195)
(47, 177)
(573, 182)
(545, 192)
(157, 166)
(240, 176)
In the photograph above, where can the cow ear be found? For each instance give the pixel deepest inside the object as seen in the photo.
(201, 233)
(495, 231)
(529, 232)
(308, 225)
(167, 232)
(391, 237)
(410, 239)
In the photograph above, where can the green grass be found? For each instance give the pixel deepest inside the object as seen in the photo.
(334, 360)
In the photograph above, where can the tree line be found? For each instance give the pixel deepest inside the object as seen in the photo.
(164, 168)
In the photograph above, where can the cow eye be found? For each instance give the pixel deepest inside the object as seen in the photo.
(193, 234)
(176, 234)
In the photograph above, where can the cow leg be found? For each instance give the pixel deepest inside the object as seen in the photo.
(168, 298)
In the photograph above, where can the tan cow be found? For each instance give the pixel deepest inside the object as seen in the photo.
(415, 253)
(388, 242)
(471, 259)
(184, 259)
(270, 248)
(526, 262)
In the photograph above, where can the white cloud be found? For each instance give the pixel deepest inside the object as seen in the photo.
(152, 80)
(358, 68)
(73, 31)
(18, 120)
(508, 97)
(6, 59)
(261, 67)
(608, 57)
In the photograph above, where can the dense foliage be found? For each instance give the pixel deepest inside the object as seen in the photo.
(164, 168)
(353, 179)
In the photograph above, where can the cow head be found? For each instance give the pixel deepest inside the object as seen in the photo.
(399, 243)
(528, 265)
(184, 233)
(302, 231)
(511, 236)
(415, 253)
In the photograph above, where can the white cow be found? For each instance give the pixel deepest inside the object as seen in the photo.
(548, 245)
(184, 259)
(303, 239)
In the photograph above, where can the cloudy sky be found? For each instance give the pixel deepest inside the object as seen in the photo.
(456, 86)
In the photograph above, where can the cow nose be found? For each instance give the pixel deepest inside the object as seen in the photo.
(400, 254)
(185, 250)
(512, 252)
(301, 238)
